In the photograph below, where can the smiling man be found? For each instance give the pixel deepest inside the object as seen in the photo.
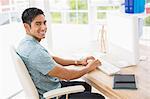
(46, 70)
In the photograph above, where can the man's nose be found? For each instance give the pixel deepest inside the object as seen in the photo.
(43, 27)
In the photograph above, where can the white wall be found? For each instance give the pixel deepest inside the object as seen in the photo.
(67, 37)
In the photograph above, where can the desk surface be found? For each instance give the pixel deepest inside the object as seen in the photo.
(104, 83)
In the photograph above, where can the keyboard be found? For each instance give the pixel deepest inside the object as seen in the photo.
(108, 68)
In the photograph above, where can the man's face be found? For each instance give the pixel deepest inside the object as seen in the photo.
(38, 27)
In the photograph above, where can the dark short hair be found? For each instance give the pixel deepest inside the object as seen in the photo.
(29, 14)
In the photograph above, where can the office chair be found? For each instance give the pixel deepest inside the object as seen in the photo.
(28, 85)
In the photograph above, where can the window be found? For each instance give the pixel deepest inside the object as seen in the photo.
(102, 10)
(77, 11)
(147, 19)
(69, 11)
(10, 10)
(56, 17)
(148, 1)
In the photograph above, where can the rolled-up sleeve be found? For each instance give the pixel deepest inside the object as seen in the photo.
(42, 61)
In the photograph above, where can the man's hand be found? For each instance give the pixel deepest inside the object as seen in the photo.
(86, 60)
(92, 65)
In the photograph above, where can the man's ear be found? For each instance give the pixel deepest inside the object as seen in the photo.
(27, 27)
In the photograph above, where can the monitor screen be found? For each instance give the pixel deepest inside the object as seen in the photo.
(122, 36)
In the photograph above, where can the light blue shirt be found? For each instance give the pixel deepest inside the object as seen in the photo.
(39, 63)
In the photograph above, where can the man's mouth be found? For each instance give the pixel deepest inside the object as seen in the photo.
(42, 33)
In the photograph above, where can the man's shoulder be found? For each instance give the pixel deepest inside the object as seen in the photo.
(26, 47)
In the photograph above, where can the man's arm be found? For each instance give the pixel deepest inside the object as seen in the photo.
(69, 74)
(67, 62)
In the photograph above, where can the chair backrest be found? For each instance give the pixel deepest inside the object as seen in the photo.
(24, 77)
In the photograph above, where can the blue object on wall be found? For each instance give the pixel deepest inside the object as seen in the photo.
(134, 6)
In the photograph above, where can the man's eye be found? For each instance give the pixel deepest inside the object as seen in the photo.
(44, 23)
(38, 24)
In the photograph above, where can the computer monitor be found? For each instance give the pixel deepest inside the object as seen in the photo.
(123, 38)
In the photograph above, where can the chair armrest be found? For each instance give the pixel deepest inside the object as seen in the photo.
(63, 91)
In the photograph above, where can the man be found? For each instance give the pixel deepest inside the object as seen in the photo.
(46, 70)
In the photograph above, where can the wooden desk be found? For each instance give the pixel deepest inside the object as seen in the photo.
(104, 83)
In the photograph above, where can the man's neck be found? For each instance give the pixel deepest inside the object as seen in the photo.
(35, 37)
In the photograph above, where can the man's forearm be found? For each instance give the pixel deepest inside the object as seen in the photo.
(68, 74)
(77, 73)
(66, 62)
